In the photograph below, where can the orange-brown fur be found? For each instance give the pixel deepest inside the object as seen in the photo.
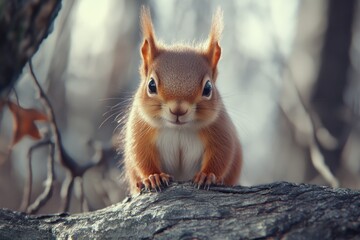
(180, 73)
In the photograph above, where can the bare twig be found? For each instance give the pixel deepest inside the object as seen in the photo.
(317, 159)
(319, 163)
(28, 185)
(16, 96)
(66, 190)
(73, 168)
(303, 122)
(309, 133)
(80, 194)
(46, 194)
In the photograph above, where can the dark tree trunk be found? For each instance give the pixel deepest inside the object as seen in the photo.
(328, 95)
(268, 211)
(23, 26)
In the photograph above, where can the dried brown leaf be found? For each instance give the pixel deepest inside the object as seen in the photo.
(24, 122)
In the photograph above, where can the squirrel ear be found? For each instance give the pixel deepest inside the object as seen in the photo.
(148, 48)
(213, 51)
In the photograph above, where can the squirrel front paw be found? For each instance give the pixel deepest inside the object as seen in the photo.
(205, 179)
(154, 182)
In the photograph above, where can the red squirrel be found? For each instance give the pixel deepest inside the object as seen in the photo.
(178, 128)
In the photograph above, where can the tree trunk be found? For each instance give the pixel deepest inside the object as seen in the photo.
(23, 26)
(332, 80)
(182, 212)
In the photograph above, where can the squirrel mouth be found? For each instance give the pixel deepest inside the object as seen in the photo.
(177, 122)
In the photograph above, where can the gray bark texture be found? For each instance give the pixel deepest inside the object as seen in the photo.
(273, 211)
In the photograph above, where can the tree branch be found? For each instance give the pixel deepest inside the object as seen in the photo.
(182, 212)
(46, 194)
(70, 164)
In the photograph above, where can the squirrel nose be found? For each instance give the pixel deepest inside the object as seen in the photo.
(178, 112)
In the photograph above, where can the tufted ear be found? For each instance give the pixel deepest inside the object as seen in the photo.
(149, 49)
(213, 50)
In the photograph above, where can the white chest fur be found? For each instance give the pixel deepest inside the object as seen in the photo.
(181, 152)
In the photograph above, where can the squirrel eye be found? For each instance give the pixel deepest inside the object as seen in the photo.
(207, 89)
(152, 86)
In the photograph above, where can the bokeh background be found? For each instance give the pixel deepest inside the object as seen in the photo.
(289, 76)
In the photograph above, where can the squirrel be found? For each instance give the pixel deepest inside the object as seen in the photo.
(178, 128)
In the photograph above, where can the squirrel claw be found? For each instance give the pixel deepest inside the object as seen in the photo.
(165, 178)
(207, 187)
(146, 184)
(203, 179)
(154, 182)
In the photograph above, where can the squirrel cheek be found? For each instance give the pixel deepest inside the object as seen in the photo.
(150, 107)
(206, 111)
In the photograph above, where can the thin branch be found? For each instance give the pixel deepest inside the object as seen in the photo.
(81, 194)
(28, 187)
(66, 191)
(74, 169)
(16, 96)
(317, 159)
(46, 194)
(48, 107)
(319, 163)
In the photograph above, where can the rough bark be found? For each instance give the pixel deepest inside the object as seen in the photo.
(182, 212)
(23, 26)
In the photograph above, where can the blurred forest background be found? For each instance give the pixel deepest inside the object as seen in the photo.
(289, 76)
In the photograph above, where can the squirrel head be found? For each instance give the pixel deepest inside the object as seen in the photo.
(177, 86)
